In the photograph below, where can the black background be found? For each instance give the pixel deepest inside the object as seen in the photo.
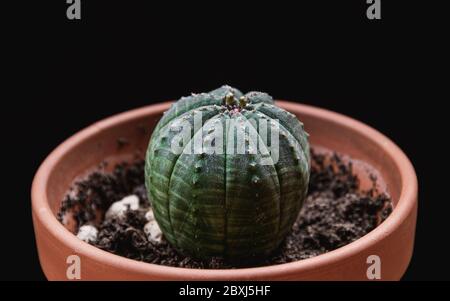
(68, 74)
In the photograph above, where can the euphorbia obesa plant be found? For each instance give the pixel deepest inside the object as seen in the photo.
(227, 203)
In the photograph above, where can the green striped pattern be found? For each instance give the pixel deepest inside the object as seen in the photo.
(227, 204)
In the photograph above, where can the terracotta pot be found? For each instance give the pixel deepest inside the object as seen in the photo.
(392, 240)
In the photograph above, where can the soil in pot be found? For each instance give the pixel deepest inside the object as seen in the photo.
(336, 212)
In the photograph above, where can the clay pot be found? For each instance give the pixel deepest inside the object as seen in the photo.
(392, 240)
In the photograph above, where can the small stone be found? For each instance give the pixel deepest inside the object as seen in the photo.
(150, 216)
(87, 233)
(119, 208)
(153, 231)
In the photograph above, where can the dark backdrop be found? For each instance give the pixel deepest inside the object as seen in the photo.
(122, 56)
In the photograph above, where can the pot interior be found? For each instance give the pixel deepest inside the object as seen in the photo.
(125, 139)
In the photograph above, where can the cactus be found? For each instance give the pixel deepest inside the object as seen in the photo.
(227, 204)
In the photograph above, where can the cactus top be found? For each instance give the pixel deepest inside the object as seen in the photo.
(236, 203)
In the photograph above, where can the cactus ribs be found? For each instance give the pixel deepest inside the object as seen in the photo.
(335, 213)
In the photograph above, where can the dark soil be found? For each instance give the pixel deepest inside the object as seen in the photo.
(335, 213)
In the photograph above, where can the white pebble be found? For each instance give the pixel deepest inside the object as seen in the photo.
(153, 231)
(87, 233)
(150, 216)
(119, 208)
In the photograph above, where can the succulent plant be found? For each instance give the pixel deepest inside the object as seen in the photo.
(229, 204)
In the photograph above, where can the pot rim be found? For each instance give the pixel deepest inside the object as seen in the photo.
(408, 197)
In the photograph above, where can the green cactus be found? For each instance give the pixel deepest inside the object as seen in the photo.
(227, 204)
